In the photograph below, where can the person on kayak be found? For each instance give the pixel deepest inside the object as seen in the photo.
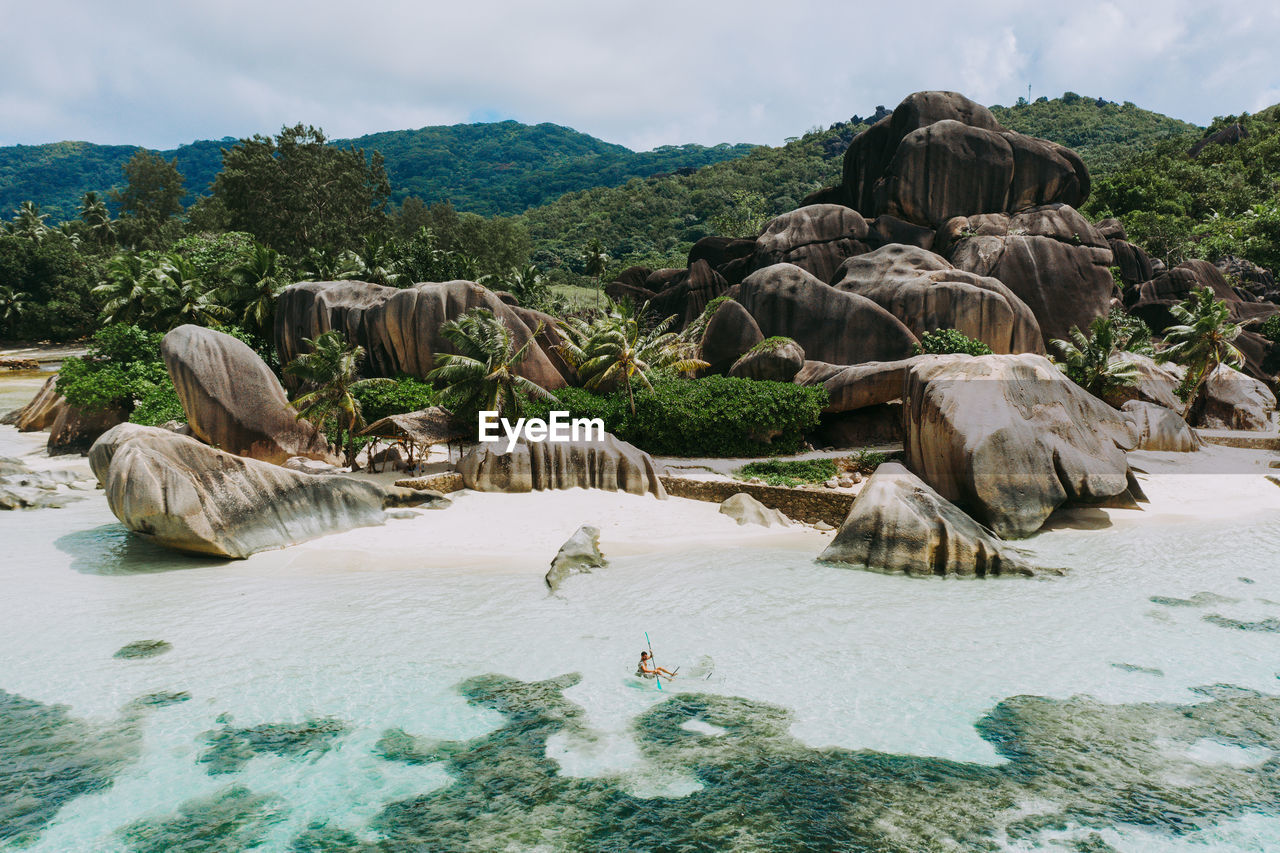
(647, 668)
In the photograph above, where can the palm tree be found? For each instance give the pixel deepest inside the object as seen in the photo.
(330, 375)
(256, 284)
(13, 304)
(615, 348)
(596, 261)
(29, 222)
(373, 262)
(1202, 341)
(125, 290)
(1092, 360)
(324, 264)
(97, 219)
(178, 296)
(482, 375)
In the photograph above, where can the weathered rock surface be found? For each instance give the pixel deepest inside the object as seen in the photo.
(1152, 300)
(75, 430)
(1158, 428)
(731, 332)
(829, 325)
(940, 155)
(687, 293)
(1232, 400)
(816, 238)
(1009, 438)
(773, 360)
(1051, 257)
(578, 555)
(861, 385)
(612, 465)
(41, 412)
(190, 497)
(1157, 383)
(399, 328)
(745, 509)
(897, 524)
(927, 293)
(233, 401)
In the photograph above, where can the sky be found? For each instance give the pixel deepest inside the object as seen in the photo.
(637, 73)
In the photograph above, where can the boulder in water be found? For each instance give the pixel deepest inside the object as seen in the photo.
(190, 497)
(578, 555)
(899, 525)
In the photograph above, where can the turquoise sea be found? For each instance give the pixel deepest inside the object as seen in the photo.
(319, 701)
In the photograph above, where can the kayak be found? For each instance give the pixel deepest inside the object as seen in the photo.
(700, 671)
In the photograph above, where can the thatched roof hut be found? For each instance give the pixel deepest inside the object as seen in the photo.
(422, 429)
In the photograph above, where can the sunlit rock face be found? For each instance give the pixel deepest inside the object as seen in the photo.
(609, 464)
(398, 328)
(233, 401)
(1009, 439)
(899, 525)
(190, 497)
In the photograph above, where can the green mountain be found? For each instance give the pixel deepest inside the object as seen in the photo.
(654, 221)
(496, 168)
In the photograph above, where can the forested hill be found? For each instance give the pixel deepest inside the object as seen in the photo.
(653, 221)
(495, 168)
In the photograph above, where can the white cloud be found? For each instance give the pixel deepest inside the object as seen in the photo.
(639, 73)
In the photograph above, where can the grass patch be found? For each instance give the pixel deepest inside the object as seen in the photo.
(788, 472)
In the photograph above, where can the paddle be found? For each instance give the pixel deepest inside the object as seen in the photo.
(653, 663)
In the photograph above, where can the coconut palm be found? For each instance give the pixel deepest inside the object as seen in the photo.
(97, 219)
(373, 262)
(482, 375)
(125, 290)
(324, 264)
(617, 349)
(29, 222)
(178, 295)
(595, 262)
(1202, 340)
(330, 376)
(255, 285)
(13, 304)
(1093, 361)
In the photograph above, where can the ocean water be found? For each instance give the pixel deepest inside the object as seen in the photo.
(307, 700)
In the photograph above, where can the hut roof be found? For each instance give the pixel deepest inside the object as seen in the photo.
(436, 425)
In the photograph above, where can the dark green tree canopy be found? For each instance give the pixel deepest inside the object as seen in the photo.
(295, 193)
(151, 197)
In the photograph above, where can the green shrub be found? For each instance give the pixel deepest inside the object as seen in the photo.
(404, 394)
(1135, 334)
(713, 416)
(1270, 329)
(159, 404)
(789, 472)
(947, 341)
(121, 366)
(867, 460)
(770, 344)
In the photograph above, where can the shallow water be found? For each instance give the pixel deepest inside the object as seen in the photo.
(305, 703)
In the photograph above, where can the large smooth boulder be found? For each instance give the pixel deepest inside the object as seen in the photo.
(858, 386)
(1158, 428)
(1157, 383)
(1009, 438)
(686, 294)
(730, 333)
(233, 401)
(829, 325)
(577, 556)
(927, 293)
(745, 509)
(41, 412)
(940, 155)
(1051, 257)
(899, 525)
(816, 238)
(190, 497)
(399, 328)
(610, 464)
(772, 360)
(1233, 400)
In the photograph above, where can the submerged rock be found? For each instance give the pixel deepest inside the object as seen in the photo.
(1009, 439)
(234, 818)
(578, 555)
(745, 509)
(898, 524)
(233, 401)
(184, 495)
(611, 464)
(143, 649)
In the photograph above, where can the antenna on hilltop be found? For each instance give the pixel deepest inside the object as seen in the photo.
(1028, 93)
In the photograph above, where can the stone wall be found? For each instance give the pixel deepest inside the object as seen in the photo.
(808, 505)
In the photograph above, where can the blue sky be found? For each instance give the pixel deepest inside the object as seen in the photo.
(638, 73)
